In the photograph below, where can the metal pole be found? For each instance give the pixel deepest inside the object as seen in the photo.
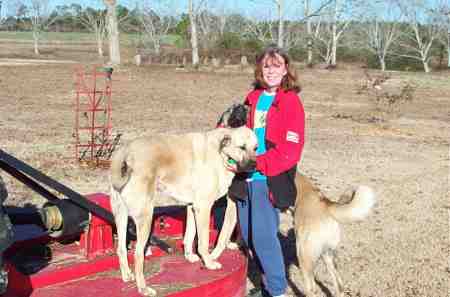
(93, 107)
(77, 115)
(75, 197)
(448, 44)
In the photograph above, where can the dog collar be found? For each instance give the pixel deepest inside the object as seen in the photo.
(230, 163)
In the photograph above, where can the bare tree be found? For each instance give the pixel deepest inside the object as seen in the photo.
(309, 16)
(95, 21)
(307, 13)
(381, 28)
(157, 22)
(113, 32)
(329, 27)
(6, 10)
(444, 36)
(212, 21)
(264, 30)
(259, 22)
(193, 10)
(280, 10)
(423, 30)
(1, 15)
(41, 19)
(448, 37)
(340, 20)
(222, 19)
(323, 38)
(208, 25)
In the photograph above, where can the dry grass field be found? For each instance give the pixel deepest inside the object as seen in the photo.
(399, 147)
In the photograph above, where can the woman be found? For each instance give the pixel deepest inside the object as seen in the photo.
(277, 117)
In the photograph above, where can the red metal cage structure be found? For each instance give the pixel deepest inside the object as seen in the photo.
(93, 107)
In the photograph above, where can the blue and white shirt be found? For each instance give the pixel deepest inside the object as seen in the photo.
(265, 101)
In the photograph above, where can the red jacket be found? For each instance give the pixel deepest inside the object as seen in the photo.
(285, 132)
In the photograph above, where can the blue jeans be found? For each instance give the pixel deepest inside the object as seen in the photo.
(259, 222)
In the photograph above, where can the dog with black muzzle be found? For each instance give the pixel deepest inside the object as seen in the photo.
(234, 116)
(195, 169)
(317, 220)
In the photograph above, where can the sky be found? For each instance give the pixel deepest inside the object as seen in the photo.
(254, 7)
(264, 9)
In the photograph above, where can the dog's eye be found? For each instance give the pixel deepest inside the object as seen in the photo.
(242, 147)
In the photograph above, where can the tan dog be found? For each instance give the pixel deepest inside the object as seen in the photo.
(191, 168)
(317, 227)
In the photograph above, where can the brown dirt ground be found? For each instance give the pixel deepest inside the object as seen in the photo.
(402, 249)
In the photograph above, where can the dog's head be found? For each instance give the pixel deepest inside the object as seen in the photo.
(238, 148)
(234, 116)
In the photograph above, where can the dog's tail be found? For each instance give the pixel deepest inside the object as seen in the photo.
(358, 205)
(120, 168)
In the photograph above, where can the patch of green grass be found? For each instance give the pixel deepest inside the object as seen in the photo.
(49, 36)
(126, 38)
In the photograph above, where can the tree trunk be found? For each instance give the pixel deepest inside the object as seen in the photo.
(36, 43)
(309, 33)
(333, 48)
(448, 48)
(334, 37)
(426, 67)
(113, 31)
(280, 42)
(194, 38)
(157, 46)
(383, 64)
(100, 46)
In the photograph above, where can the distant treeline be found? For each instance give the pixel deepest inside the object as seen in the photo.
(67, 18)
(234, 35)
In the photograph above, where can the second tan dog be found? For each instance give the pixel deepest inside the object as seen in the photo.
(193, 168)
(317, 227)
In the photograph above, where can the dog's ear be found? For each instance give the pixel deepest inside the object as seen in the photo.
(223, 120)
(238, 116)
(226, 140)
(234, 116)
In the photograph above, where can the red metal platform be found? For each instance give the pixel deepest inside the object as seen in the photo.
(87, 266)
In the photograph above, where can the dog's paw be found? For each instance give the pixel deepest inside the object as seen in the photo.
(148, 251)
(232, 245)
(192, 257)
(215, 254)
(127, 276)
(213, 265)
(147, 291)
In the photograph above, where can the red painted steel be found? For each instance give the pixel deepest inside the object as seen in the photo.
(93, 107)
(97, 240)
(88, 266)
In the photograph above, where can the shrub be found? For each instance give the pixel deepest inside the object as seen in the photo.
(229, 40)
(298, 53)
(252, 46)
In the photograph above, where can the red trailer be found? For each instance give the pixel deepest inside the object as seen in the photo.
(74, 254)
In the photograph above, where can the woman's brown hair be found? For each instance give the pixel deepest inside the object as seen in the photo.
(289, 81)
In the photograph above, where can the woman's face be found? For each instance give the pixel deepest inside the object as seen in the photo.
(274, 69)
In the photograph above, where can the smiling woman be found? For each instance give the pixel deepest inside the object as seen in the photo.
(276, 116)
(274, 70)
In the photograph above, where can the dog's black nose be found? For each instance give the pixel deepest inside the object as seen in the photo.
(247, 166)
